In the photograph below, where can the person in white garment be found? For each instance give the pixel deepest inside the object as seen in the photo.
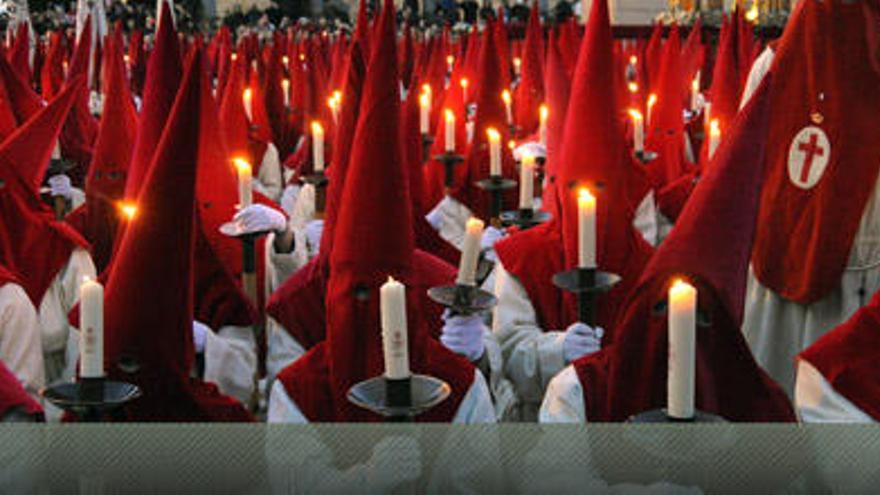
(802, 285)
(20, 345)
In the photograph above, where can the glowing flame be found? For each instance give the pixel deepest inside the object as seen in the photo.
(241, 164)
(635, 114)
(449, 114)
(633, 87)
(464, 82)
(234, 56)
(517, 62)
(424, 100)
(317, 128)
(714, 128)
(493, 134)
(585, 196)
(633, 60)
(652, 100)
(128, 210)
(544, 112)
(505, 95)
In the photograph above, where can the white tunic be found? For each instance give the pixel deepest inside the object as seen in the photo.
(20, 345)
(564, 401)
(818, 402)
(269, 179)
(231, 362)
(777, 329)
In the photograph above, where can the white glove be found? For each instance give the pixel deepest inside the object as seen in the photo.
(463, 335)
(260, 218)
(435, 218)
(491, 235)
(59, 185)
(313, 232)
(96, 103)
(395, 460)
(581, 340)
(200, 336)
(533, 148)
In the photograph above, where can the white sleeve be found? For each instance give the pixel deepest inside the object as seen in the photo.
(58, 300)
(289, 197)
(77, 199)
(449, 218)
(531, 355)
(759, 69)
(645, 220)
(304, 207)
(282, 409)
(231, 361)
(20, 345)
(280, 266)
(476, 406)
(282, 349)
(818, 402)
(79, 266)
(269, 176)
(564, 402)
(492, 363)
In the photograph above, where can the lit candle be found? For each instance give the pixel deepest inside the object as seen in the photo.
(714, 137)
(285, 88)
(633, 87)
(285, 60)
(638, 130)
(334, 102)
(527, 182)
(233, 56)
(505, 95)
(652, 100)
(695, 91)
(494, 152)
(318, 146)
(450, 63)
(543, 113)
(450, 130)
(245, 189)
(248, 97)
(426, 90)
(464, 90)
(425, 113)
(586, 229)
(469, 127)
(91, 326)
(392, 296)
(470, 252)
(682, 350)
(517, 66)
(127, 209)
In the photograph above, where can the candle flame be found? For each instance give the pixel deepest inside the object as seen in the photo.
(517, 62)
(234, 56)
(752, 13)
(635, 114)
(128, 210)
(464, 82)
(511, 145)
(474, 224)
(285, 60)
(126, 58)
(302, 57)
(695, 84)
(493, 134)
(585, 196)
(544, 111)
(450, 116)
(426, 88)
(241, 164)
(652, 100)
(633, 87)
(285, 84)
(680, 289)
(317, 128)
(505, 95)
(424, 100)
(450, 59)
(248, 94)
(714, 127)
(633, 60)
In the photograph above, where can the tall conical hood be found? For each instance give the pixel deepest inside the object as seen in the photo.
(530, 91)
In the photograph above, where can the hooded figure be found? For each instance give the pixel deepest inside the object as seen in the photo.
(815, 259)
(374, 240)
(535, 322)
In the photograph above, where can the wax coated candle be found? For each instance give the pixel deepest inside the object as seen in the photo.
(652, 100)
(91, 326)
(470, 252)
(527, 182)
(425, 113)
(508, 102)
(318, 146)
(682, 323)
(494, 152)
(543, 114)
(714, 136)
(247, 98)
(586, 229)
(285, 89)
(395, 345)
(245, 179)
(638, 130)
(450, 130)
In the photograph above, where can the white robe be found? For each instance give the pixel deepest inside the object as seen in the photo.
(777, 329)
(231, 362)
(269, 179)
(564, 401)
(20, 341)
(818, 402)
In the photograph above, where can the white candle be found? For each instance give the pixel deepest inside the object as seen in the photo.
(695, 92)
(586, 229)
(494, 152)
(517, 66)
(527, 182)
(464, 90)
(543, 113)
(682, 350)
(450, 63)
(470, 252)
(652, 100)
(505, 95)
(318, 146)
(638, 130)
(425, 113)
(286, 61)
(714, 137)
(91, 325)
(334, 102)
(392, 296)
(469, 128)
(245, 188)
(247, 97)
(285, 88)
(450, 130)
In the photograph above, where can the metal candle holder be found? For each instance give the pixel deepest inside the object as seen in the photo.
(661, 416)
(586, 283)
(427, 142)
(449, 161)
(525, 218)
(462, 299)
(320, 181)
(399, 400)
(645, 157)
(496, 185)
(90, 399)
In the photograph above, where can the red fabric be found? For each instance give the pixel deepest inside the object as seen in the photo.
(52, 71)
(653, 58)
(13, 396)
(155, 258)
(593, 152)
(726, 90)
(23, 101)
(672, 198)
(32, 243)
(848, 355)
(372, 243)
(80, 130)
(137, 60)
(558, 77)
(693, 51)
(20, 54)
(805, 235)
(530, 91)
(628, 376)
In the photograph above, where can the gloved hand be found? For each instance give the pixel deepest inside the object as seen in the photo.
(260, 218)
(313, 232)
(533, 148)
(434, 218)
(491, 235)
(463, 335)
(581, 340)
(59, 185)
(200, 336)
(395, 460)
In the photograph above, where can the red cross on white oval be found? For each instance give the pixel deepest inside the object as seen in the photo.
(808, 157)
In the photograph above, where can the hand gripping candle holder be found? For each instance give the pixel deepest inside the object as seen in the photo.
(427, 142)
(319, 181)
(462, 299)
(586, 284)
(449, 161)
(58, 166)
(90, 399)
(401, 400)
(496, 185)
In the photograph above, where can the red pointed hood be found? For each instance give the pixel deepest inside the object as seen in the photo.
(558, 89)
(653, 57)
(666, 131)
(628, 376)
(233, 117)
(20, 54)
(23, 101)
(373, 240)
(530, 92)
(725, 93)
(156, 257)
(52, 71)
(34, 245)
(693, 51)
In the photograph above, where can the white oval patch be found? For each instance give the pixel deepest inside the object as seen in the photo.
(808, 157)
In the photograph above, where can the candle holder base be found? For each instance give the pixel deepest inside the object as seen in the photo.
(90, 398)
(586, 284)
(427, 142)
(525, 218)
(317, 179)
(645, 157)
(463, 299)
(425, 392)
(58, 166)
(496, 183)
(449, 161)
(660, 416)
